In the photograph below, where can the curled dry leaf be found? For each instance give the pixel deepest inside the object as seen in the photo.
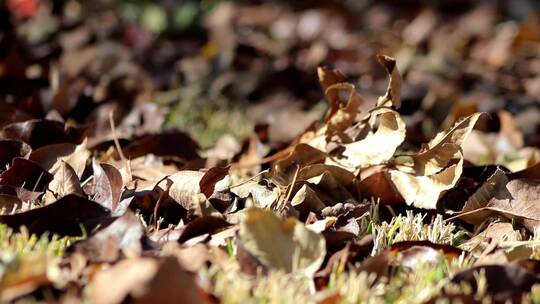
(208, 182)
(425, 191)
(379, 146)
(302, 155)
(281, 244)
(444, 147)
(434, 169)
(345, 115)
(260, 194)
(393, 92)
(503, 282)
(327, 78)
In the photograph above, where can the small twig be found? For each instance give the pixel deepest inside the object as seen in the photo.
(164, 195)
(291, 186)
(118, 148)
(249, 179)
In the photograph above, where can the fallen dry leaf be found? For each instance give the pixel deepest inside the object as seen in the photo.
(65, 181)
(281, 244)
(69, 215)
(144, 280)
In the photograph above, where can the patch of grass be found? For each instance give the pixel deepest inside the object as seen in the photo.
(205, 121)
(24, 255)
(412, 228)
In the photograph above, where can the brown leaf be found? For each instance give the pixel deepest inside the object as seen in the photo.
(424, 191)
(503, 282)
(10, 149)
(27, 174)
(514, 199)
(210, 178)
(473, 209)
(122, 235)
(107, 186)
(393, 92)
(186, 191)
(499, 231)
(378, 184)
(345, 115)
(40, 132)
(146, 280)
(377, 147)
(170, 143)
(202, 225)
(65, 181)
(66, 216)
(301, 156)
(281, 244)
(327, 78)
(444, 147)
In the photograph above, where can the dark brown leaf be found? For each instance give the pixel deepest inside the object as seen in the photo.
(27, 174)
(71, 215)
(107, 186)
(210, 178)
(40, 132)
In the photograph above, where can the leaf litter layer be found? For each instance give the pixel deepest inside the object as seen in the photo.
(403, 190)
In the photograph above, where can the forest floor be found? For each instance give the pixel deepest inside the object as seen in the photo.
(228, 152)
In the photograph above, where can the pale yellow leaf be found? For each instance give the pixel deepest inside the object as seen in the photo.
(424, 191)
(379, 146)
(282, 244)
(443, 147)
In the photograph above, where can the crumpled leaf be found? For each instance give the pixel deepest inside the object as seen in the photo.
(327, 78)
(281, 244)
(393, 92)
(441, 149)
(261, 195)
(434, 169)
(379, 146)
(425, 191)
(65, 181)
(186, 191)
(346, 115)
